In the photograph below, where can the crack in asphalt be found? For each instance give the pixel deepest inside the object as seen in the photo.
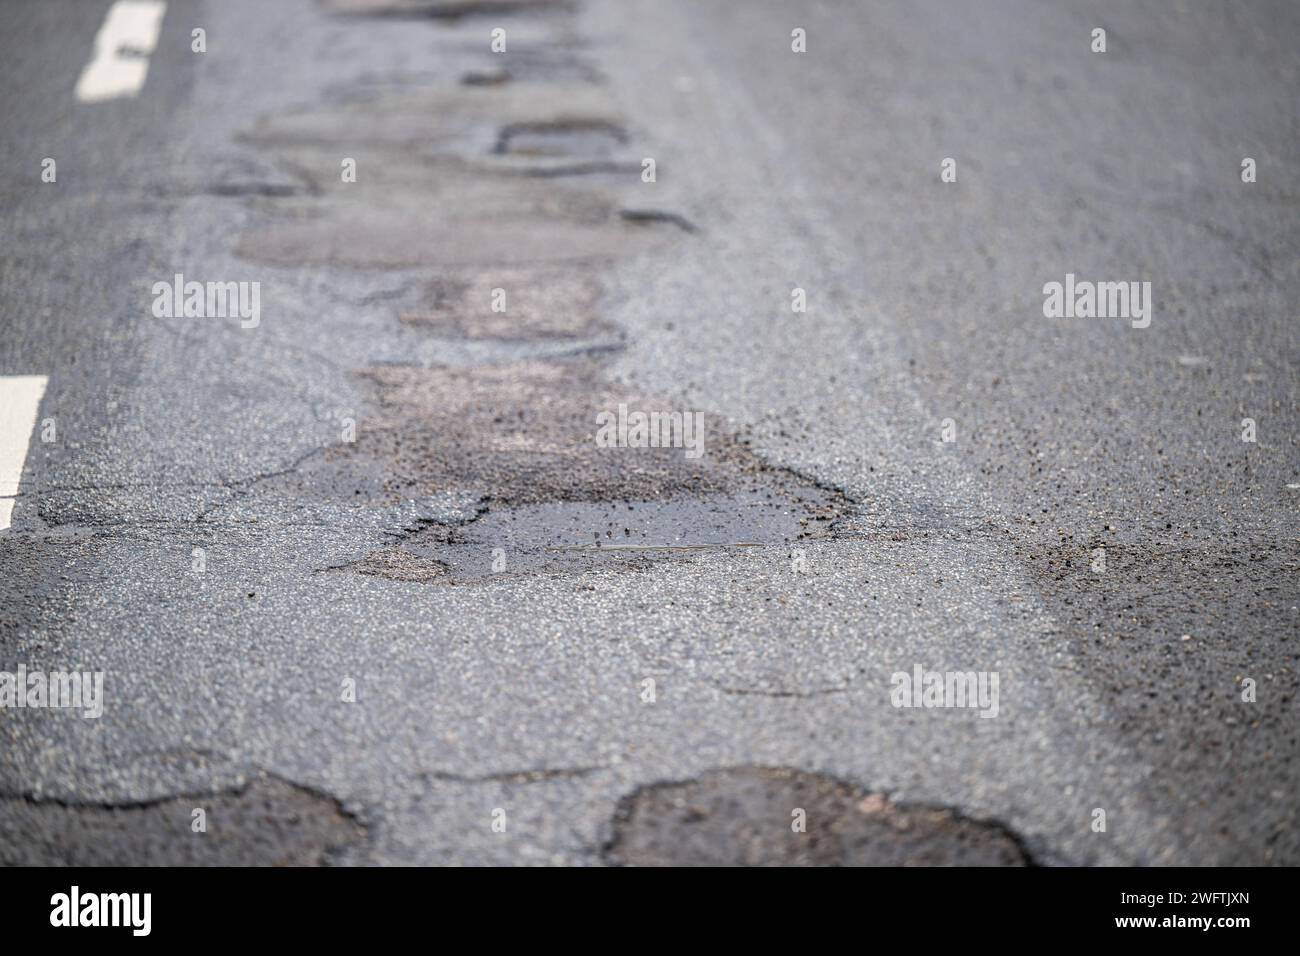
(641, 216)
(758, 692)
(243, 487)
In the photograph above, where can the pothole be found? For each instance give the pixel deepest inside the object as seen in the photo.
(393, 122)
(267, 823)
(745, 816)
(511, 174)
(573, 537)
(525, 433)
(564, 137)
(515, 260)
(522, 438)
(566, 147)
(458, 219)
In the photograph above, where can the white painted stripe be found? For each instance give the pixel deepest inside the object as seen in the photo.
(122, 48)
(20, 402)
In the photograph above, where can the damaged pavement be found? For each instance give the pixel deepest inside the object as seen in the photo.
(363, 585)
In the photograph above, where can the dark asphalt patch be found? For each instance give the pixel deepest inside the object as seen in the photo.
(524, 433)
(511, 174)
(394, 123)
(459, 222)
(573, 537)
(520, 438)
(267, 823)
(515, 434)
(743, 817)
(1172, 669)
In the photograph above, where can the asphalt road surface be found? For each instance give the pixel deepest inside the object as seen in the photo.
(367, 579)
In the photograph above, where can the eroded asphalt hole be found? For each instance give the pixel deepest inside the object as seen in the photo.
(743, 817)
(522, 435)
(511, 175)
(525, 433)
(266, 823)
(573, 137)
(461, 198)
(572, 537)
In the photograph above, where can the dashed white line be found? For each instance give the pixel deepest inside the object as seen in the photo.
(20, 400)
(122, 47)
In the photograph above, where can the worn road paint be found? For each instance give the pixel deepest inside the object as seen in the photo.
(122, 47)
(20, 398)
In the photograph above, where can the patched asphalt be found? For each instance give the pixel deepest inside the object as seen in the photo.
(757, 816)
(266, 823)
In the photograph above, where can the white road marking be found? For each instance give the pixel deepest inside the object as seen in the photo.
(20, 400)
(122, 48)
